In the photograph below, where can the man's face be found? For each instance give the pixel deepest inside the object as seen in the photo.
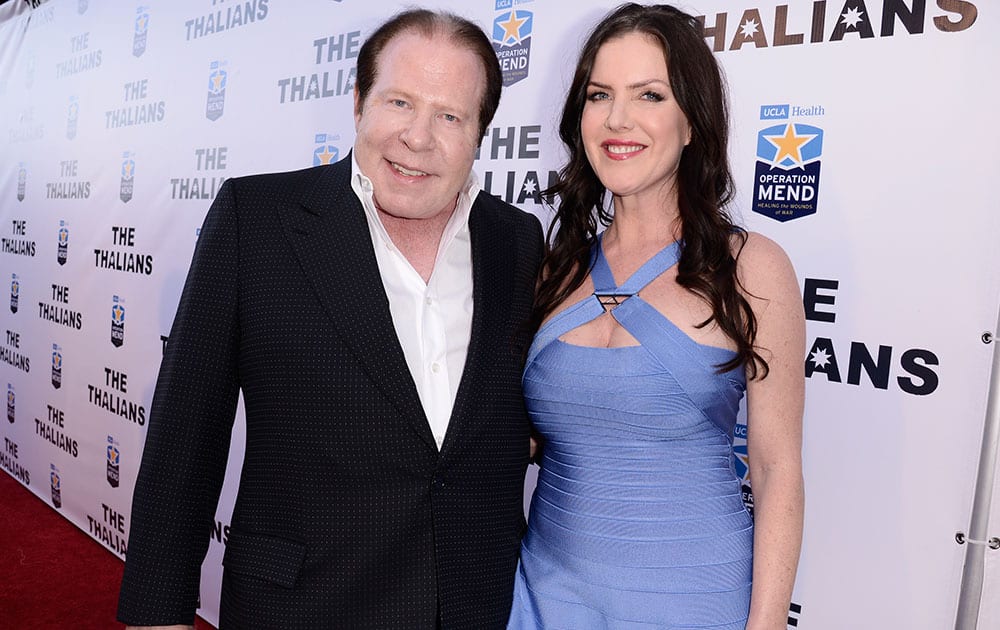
(418, 129)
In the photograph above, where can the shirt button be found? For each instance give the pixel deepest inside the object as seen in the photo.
(428, 301)
(435, 367)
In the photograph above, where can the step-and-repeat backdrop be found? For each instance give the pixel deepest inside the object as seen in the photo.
(865, 142)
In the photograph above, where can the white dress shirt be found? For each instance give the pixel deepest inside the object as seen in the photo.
(433, 320)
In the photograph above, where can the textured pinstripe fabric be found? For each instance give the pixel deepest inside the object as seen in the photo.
(347, 516)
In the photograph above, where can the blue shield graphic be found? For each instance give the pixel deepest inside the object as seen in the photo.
(141, 28)
(72, 117)
(113, 462)
(57, 363)
(15, 290)
(787, 173)
(216, 103)
(512, 44)
(325, 153)
(128, 178)
(117, 324)
(62, 247)
(55, 484)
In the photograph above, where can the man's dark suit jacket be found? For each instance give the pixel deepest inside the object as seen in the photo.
(347, 516)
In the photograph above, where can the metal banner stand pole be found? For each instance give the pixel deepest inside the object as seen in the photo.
(971, 593)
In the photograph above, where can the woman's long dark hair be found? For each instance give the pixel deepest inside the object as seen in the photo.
(705, 185)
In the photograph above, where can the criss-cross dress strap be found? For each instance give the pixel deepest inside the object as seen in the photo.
(592, 307)
(604, 281)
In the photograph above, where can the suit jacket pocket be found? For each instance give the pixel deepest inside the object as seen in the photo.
(265, 557)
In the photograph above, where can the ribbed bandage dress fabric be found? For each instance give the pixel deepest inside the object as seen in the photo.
(637, 520)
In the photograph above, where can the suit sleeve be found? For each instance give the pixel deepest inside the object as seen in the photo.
(537, 242)
(187, 440)
(532, 236)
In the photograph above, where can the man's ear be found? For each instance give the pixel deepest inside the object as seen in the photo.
(357, 104)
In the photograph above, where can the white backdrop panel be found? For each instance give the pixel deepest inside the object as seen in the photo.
(897, 262)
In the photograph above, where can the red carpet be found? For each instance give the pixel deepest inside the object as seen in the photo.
(52, 575)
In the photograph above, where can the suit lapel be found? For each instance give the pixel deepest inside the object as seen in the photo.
(330, 236)
(492, 288)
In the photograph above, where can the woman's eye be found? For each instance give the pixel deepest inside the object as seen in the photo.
(655, 97)
(450, 117)
(597, 96)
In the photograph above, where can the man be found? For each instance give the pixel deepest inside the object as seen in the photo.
(372, 312)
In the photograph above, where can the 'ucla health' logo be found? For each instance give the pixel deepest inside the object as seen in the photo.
(62, 247)
(141, 26)
(57, 363)
(325, 153)
(216, 90)
(118, 322)
(128, 176)
(114, 457)
(15, 290)
(786, 179)
(512, 42)
(10, 403)
(72, 116)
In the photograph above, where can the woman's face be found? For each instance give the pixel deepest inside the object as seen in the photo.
(632, 128)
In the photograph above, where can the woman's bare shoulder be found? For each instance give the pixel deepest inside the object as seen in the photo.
(764, 269)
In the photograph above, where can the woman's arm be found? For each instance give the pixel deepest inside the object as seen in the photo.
(774, 429)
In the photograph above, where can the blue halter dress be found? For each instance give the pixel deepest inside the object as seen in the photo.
(637, 520)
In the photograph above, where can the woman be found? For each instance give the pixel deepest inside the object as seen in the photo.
(651, 333)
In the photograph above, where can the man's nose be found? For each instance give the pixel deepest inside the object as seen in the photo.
(418, 134)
